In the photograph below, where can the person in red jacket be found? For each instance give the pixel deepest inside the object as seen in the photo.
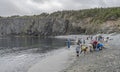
(94, 43)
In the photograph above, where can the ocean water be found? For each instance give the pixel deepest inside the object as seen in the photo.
(17, 54)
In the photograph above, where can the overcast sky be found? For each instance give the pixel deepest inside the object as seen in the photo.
(31, 7)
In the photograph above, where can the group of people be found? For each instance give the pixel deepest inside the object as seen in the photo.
(95, 44)
(89, 44)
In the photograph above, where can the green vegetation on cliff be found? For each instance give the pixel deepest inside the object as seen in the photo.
(98, 15)
(92, 20)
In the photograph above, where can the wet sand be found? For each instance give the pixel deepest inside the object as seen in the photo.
(56, 62)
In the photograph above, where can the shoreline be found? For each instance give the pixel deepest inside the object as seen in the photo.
(106, 60)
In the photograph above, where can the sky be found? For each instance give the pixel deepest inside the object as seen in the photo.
(34, 7)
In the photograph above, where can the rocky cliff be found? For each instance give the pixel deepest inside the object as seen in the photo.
(47, 26)
(34, 26)
(105, 20)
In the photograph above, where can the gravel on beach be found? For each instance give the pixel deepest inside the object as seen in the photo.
(107, 60)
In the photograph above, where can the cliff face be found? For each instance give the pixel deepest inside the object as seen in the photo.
(46, 26)
(89, 21)
(34, 26)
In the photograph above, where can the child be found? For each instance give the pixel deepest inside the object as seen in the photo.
(83, 48)
(77, 49)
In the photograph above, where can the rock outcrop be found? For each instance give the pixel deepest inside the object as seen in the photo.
(51, 26)
(34, 26)
(88, 21)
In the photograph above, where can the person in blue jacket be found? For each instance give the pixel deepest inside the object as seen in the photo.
(68, 43)
(100, 46)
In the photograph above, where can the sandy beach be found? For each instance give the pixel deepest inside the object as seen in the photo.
(107, 60)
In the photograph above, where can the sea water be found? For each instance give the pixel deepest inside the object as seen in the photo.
(17, 54)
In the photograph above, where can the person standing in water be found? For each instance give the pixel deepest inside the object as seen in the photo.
(68, 43)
